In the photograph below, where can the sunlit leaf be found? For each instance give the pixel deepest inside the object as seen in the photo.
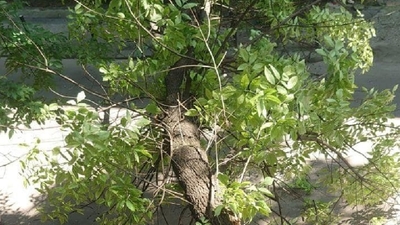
(292, 82)
(192, 112)
(244, 82)
(275, 72)
(130, 206)
(265, 191)
(270, 77)
(121, 15)
(80, 97)
(71, 102)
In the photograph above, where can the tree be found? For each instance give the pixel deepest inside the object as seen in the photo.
(229, 92)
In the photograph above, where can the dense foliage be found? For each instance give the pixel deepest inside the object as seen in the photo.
(245, 82)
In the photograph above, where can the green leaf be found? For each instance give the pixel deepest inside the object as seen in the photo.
(321, 52)
(244, 54)
(292, 82)
(275, 72)
(264, 209)
(329, 41)
(224, 179)
(339, 93)
(253, 57)
(56, 151)
(71, 102)
(240, 99)
(130, 205)
(78, 6)
(153, 108)
(265, 191)
(244, 82)
(395, 88)
(192, 112)
(142, 122)
(145, 153)
(266, 125)
(331, 100)
(281, 90)
(269, 76)
(131, 64)
(273, 98)
(124, 121)
(243, 66)
(178, 3)
(121, 15)
(258, 67)
(189, 5)
(53, 106)
(80, 97)
(261, 110)
(267, 181)
(103, 70)
(218, 209)
(11, 133)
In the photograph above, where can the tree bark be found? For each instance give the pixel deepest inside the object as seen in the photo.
(189, 161)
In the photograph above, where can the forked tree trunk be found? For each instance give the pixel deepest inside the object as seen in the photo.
(189, 160)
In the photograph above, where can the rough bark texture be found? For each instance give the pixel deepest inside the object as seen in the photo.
(189, 160)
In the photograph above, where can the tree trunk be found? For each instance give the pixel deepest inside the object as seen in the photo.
(189, 161)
